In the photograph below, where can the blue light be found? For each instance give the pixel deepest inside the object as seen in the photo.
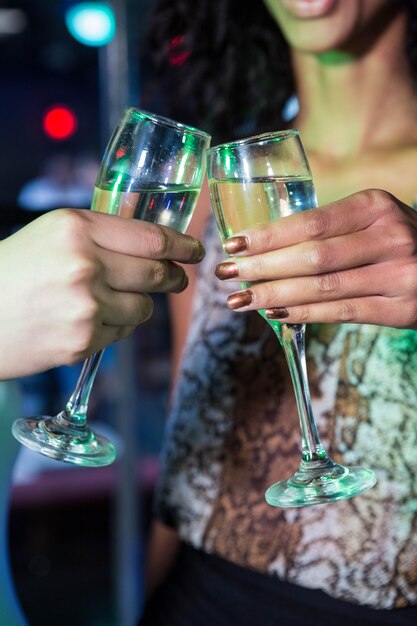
(91, 23)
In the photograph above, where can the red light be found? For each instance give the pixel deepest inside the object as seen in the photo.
(59, 122)
(177, 41)
(176, 57)
(121, 152)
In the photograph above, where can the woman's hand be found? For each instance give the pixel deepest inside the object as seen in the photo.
(74, 281)
(354, 260)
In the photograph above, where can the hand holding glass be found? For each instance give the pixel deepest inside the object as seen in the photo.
(256, 181)
(152, 170)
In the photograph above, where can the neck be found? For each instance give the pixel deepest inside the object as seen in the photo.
(351, 102)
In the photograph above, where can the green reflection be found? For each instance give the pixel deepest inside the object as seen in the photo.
(336, 57)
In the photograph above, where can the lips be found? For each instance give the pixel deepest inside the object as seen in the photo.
(309, 8)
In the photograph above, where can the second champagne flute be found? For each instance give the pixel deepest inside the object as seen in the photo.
(152, 170)
(255, 181)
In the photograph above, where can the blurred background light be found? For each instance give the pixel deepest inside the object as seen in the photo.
(59, 122)
(91, 23)
(12, 21)
(177, 54)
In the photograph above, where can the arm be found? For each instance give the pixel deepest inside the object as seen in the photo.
(74, 281)
(164, 541)
(354, 260)
(163, 545)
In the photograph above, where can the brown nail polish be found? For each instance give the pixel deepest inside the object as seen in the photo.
(278, 313)
(200, 252)
(234, 245)
(227, 270)
(241, 299)
(184, 284)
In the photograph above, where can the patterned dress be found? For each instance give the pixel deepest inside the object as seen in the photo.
(234, 430)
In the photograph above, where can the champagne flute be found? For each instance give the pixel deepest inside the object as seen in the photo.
(255, 181)
(152, 170)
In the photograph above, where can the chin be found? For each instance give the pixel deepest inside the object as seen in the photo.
(317, 42)
(319, 26)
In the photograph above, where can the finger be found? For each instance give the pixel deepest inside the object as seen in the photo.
(103, 336)
(133, 274)
(352, 214)
(389, 279)
(126, 309)
(144, 239)
(322, 288)
(371, 310)
(114, 321)
(108, 335)
(316, 257)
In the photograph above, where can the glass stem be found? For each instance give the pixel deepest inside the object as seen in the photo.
(75, 412)
(291, 337)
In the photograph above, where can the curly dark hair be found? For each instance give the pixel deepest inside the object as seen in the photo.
(225, 66)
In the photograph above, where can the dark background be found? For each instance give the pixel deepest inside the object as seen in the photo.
(77, 536)
(41, 66)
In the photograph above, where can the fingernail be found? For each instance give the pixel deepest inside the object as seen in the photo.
(184, 284)
(236, 244)
(241, 299)
(200, 250)
(279, 313)
(227, 270)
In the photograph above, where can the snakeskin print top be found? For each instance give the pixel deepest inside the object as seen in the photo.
(234, 430)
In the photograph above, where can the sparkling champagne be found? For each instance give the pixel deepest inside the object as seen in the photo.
(170, 205)
(240, 204)
(255, 181)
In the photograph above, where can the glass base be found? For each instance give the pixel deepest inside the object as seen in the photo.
(318, 483)
(56, 438)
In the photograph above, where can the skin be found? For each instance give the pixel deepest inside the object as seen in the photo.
(74, 281)
(343, 26)
(354, 259)
(351, 261)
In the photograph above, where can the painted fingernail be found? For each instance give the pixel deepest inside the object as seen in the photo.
(241, 299)
(234, 245)
(184, 284)
(200, 252)
(227, 270)
(278, 313)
